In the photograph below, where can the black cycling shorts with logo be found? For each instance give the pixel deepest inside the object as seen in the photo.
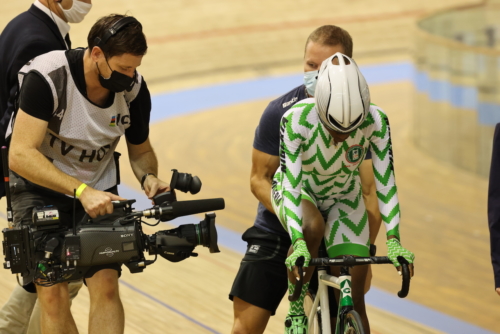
(262, 278)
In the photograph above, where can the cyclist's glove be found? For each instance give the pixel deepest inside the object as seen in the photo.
(394, 249)
(299, 249)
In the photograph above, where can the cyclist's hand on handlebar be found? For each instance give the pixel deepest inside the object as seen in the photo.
(394, 249)
(98, 203)
(299, 249)
(154, 186)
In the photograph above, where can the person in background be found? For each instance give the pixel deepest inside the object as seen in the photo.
(44, 27)
(494, 208)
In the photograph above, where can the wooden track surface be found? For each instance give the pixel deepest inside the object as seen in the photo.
(194, 42)
(443, 208)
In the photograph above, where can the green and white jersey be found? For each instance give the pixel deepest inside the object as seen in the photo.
(311, 163)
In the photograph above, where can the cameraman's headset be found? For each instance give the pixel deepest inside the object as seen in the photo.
(114, 29)
(101, 42)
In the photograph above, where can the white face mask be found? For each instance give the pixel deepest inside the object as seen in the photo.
(310, 80)
(77, 12)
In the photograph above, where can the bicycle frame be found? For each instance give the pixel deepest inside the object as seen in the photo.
(343, 284)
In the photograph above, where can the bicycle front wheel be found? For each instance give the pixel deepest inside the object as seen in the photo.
(353, 324)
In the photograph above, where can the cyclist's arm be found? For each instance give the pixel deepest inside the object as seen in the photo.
(263, 168)
(383, 170)
(370, 198)
(291, 181)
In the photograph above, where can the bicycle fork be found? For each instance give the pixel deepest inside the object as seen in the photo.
(345, 303)
(325, 305)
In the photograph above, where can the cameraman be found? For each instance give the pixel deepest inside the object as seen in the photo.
(74, 106)
(44, 27)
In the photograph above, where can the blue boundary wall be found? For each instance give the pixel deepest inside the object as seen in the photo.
(458, 96)
(182, 102)
(457, 81)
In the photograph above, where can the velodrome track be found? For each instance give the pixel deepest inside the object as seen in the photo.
(203, 124)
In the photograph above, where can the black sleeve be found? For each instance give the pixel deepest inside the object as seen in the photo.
(140, 110)
(36, 97)
(368, 155)
(494, 206)
(267, 134)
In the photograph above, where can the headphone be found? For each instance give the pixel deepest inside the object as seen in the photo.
(115, 28)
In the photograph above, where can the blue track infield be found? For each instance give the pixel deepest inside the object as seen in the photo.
(180, 103)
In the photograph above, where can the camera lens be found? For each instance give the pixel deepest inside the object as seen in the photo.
(204, 233)
(208, 235)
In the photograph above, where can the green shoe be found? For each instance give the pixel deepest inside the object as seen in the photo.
(296, 324)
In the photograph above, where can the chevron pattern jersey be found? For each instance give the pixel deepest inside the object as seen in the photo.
(311, 163)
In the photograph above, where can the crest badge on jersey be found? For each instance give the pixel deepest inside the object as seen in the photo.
(354, 153)
(113, 121)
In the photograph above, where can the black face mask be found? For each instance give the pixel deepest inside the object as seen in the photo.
(117, 82)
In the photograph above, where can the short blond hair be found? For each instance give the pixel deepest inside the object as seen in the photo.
(332, 35)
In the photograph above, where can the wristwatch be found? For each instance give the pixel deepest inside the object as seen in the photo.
(144, 179)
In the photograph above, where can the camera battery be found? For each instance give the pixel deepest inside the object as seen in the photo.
(13, 249)
(45, 216)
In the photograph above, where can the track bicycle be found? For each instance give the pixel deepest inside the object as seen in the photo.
(348, 320)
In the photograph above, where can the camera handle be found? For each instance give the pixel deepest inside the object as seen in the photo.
(125, 204)
(168, 197)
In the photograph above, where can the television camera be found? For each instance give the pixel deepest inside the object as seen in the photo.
(46, 252)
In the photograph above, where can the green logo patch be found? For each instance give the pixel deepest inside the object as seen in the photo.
(354, 153)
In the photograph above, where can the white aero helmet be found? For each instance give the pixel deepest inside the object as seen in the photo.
(342, 95)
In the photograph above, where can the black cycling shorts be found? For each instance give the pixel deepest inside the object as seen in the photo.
(262, 278)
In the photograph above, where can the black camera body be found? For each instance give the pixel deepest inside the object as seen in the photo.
(46, 253)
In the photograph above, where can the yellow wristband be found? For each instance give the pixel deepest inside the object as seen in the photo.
(80, 189)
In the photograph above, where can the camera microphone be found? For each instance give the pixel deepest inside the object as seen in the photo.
(184, 208)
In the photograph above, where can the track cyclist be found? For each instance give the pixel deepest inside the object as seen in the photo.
(261, 281)
(316, 192)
